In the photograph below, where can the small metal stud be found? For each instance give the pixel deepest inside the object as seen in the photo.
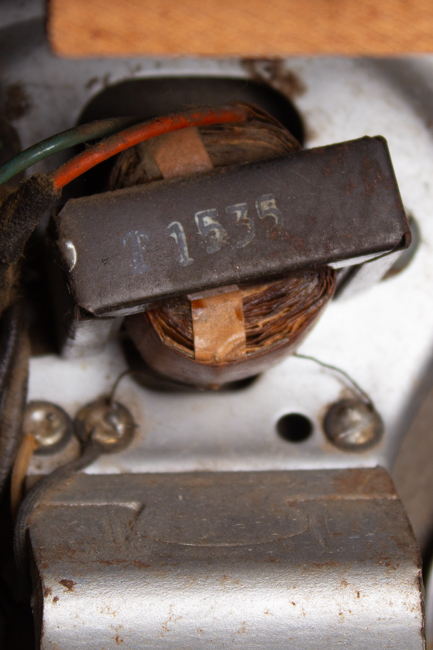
(49, 424)
(353, 425)
(109, 423)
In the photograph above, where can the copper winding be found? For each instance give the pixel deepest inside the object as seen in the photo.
(204, 331)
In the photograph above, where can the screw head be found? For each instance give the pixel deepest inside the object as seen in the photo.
(353, 425)
(109, 423)
(49, 424)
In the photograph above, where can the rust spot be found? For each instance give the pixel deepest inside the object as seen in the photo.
(47, 591)
(118, 639)
(69, 584)
(350, 186)
(358, 594)
(323, 565)
(136, 563)
(17, 102)
(55, 599)
(275, 73)
(358, 482)
(372, 175)
(63, 550)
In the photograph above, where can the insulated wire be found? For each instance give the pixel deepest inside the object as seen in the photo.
(13, 400)
(22, 210)
(8, 338)
(90, 452)
(19, 472)
(59, 142)
(356, 388)
(141, 132)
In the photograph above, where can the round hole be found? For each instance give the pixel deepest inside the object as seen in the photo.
(294, 427)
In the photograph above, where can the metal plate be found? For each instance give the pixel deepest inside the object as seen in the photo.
(232, 225)
(295, 560)
(383, 338)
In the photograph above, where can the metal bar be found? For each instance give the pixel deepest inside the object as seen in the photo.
(127, 248)
(246, 560)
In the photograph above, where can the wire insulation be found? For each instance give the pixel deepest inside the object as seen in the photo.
(22, 210)
(13, 399)
(8, 338)
(141, 132)
(60, 142)
(19, 472)
(354, 386)
(90, 452)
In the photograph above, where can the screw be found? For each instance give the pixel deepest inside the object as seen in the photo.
(109, 423)
(353, 425)
(49, 424)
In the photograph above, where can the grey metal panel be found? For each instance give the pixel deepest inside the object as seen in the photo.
(305, 560)
(383, 337)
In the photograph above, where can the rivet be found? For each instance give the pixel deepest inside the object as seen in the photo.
(353, 425)
(109, 423)
(49, 424)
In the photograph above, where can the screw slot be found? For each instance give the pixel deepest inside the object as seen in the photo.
(294, 427)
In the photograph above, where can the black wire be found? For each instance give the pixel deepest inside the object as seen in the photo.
(90, 452)
(9, 325)
(14, 393)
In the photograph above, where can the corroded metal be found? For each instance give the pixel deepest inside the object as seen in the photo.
(331, 205)
(243, 560)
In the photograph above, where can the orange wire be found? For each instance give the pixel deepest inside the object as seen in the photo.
(139, 133)
(19, 472)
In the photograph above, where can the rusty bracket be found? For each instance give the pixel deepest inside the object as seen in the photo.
(337, 205)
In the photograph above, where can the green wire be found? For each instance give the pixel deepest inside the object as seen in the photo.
(61, 141)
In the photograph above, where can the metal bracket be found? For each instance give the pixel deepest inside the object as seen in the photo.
(305, 560)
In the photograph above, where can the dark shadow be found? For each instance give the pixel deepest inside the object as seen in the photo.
(294, 427)
(148, 378)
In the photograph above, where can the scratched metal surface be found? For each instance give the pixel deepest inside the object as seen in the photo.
(293, 559)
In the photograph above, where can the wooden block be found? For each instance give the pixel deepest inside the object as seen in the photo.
(248, 28)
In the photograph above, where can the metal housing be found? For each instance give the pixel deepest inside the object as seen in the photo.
(307, 560)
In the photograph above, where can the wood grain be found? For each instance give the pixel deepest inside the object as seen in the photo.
(248, 28)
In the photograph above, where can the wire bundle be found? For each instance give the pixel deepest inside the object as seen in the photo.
(23, 209)
(21, 212)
